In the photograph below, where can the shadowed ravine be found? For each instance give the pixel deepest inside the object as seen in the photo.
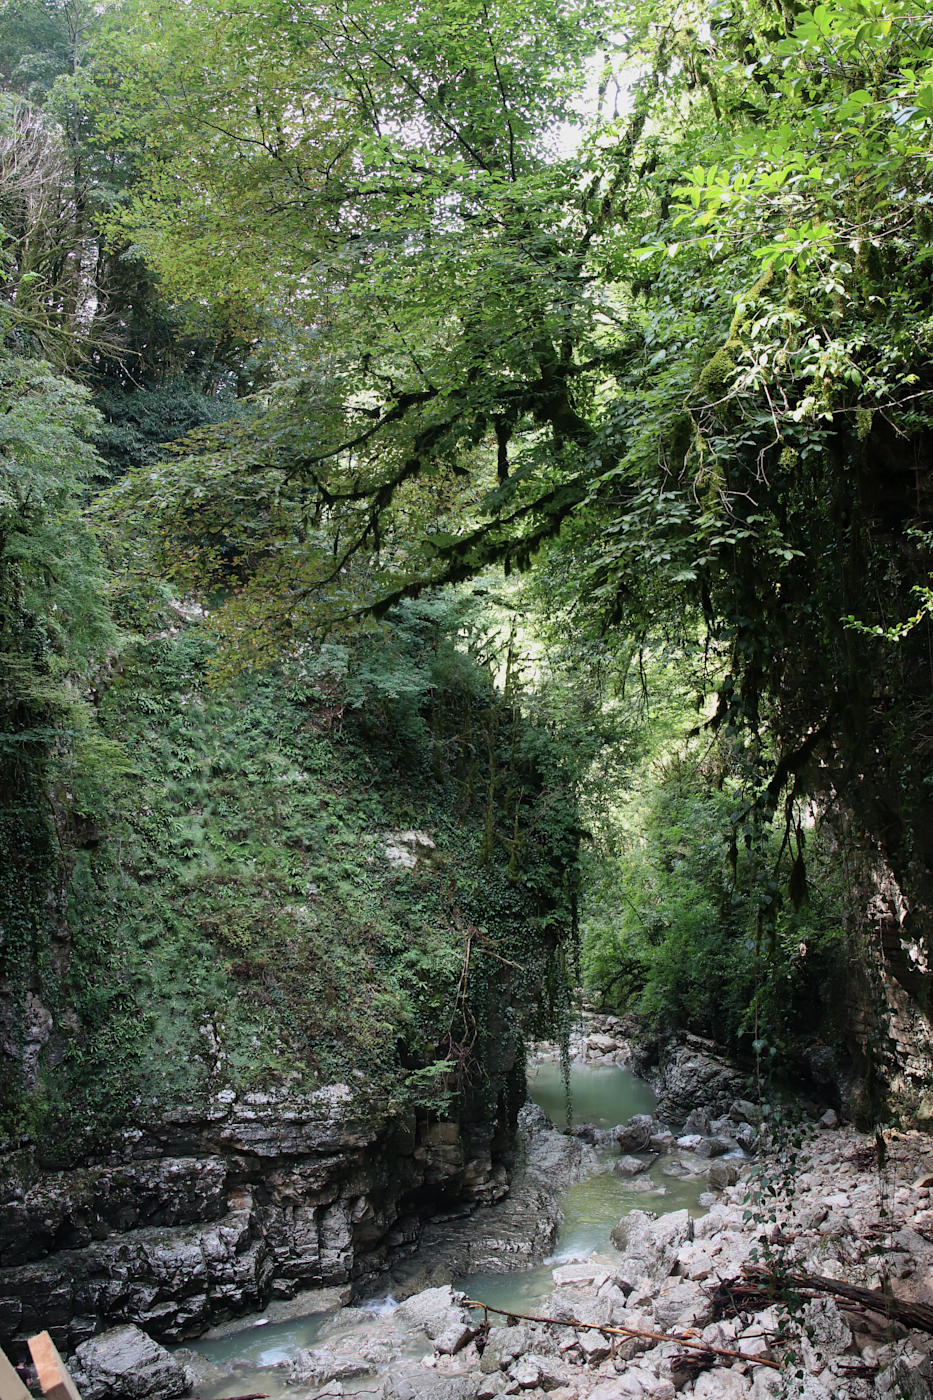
(585, 1206)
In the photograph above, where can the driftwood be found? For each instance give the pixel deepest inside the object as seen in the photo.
(771, 1284)
(621, 1332)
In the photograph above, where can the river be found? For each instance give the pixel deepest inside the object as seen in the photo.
(254, 1356)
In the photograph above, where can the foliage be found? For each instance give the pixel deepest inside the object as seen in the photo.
(139, 423)
(238, 924)
(53, 622)
(672, 351)
(698, 934)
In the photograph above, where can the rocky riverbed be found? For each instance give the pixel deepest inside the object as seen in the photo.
(816, 1199)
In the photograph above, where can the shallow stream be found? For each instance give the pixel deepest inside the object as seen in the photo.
(251, 1357)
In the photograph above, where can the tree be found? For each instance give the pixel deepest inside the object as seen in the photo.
(683, 338)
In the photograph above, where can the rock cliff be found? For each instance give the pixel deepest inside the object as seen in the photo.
(205, 1217)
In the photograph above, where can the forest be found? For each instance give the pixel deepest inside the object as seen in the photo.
(505, 420)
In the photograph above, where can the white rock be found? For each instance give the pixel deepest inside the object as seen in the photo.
(653, 1386)
(594, 1274)
(684, 1305)
(824, 1333)
(722, 1384)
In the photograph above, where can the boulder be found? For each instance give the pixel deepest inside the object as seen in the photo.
(683, 1305)
(126, 1362)
(318, 1365)
(744, 1111)
(649, 1245)
(721, 1174)
(406, 848)
(747, 1137)
(635, 1135)
(594, 1347)
(697, 1121)
(505, 1345)
(688, 1078)
(714, 1147)
(720, 1384)
(434, 1312)
(632, 1166)
(541, 1372)
(824, 1333)
(905, 1379)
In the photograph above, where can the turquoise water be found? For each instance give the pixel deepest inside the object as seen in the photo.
(600, 1094)
(603, 1095)
(262, 1344)
(591, 1209)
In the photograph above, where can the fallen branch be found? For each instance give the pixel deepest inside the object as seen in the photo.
(620, 1332)
(915, 1316)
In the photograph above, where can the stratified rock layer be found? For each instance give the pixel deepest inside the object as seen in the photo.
(202, 1218)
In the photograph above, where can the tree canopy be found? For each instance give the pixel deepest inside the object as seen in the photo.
(638, 295)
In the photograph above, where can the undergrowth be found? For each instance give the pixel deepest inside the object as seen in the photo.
(234, 922)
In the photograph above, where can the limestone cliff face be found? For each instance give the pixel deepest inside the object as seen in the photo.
(210, 1215)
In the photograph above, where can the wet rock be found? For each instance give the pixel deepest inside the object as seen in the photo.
(635, 1134)
(124, 1362)
(199, 1372)
(69, 1210)
(714, 1147)
(721, 1174)
(520, 1229)
(161, 1238)
(633, 1166)
(697, 1121)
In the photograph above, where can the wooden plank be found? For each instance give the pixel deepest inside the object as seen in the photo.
(53, 1373)
(11, 1387)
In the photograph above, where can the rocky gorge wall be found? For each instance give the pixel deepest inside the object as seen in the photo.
(207, 1216)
